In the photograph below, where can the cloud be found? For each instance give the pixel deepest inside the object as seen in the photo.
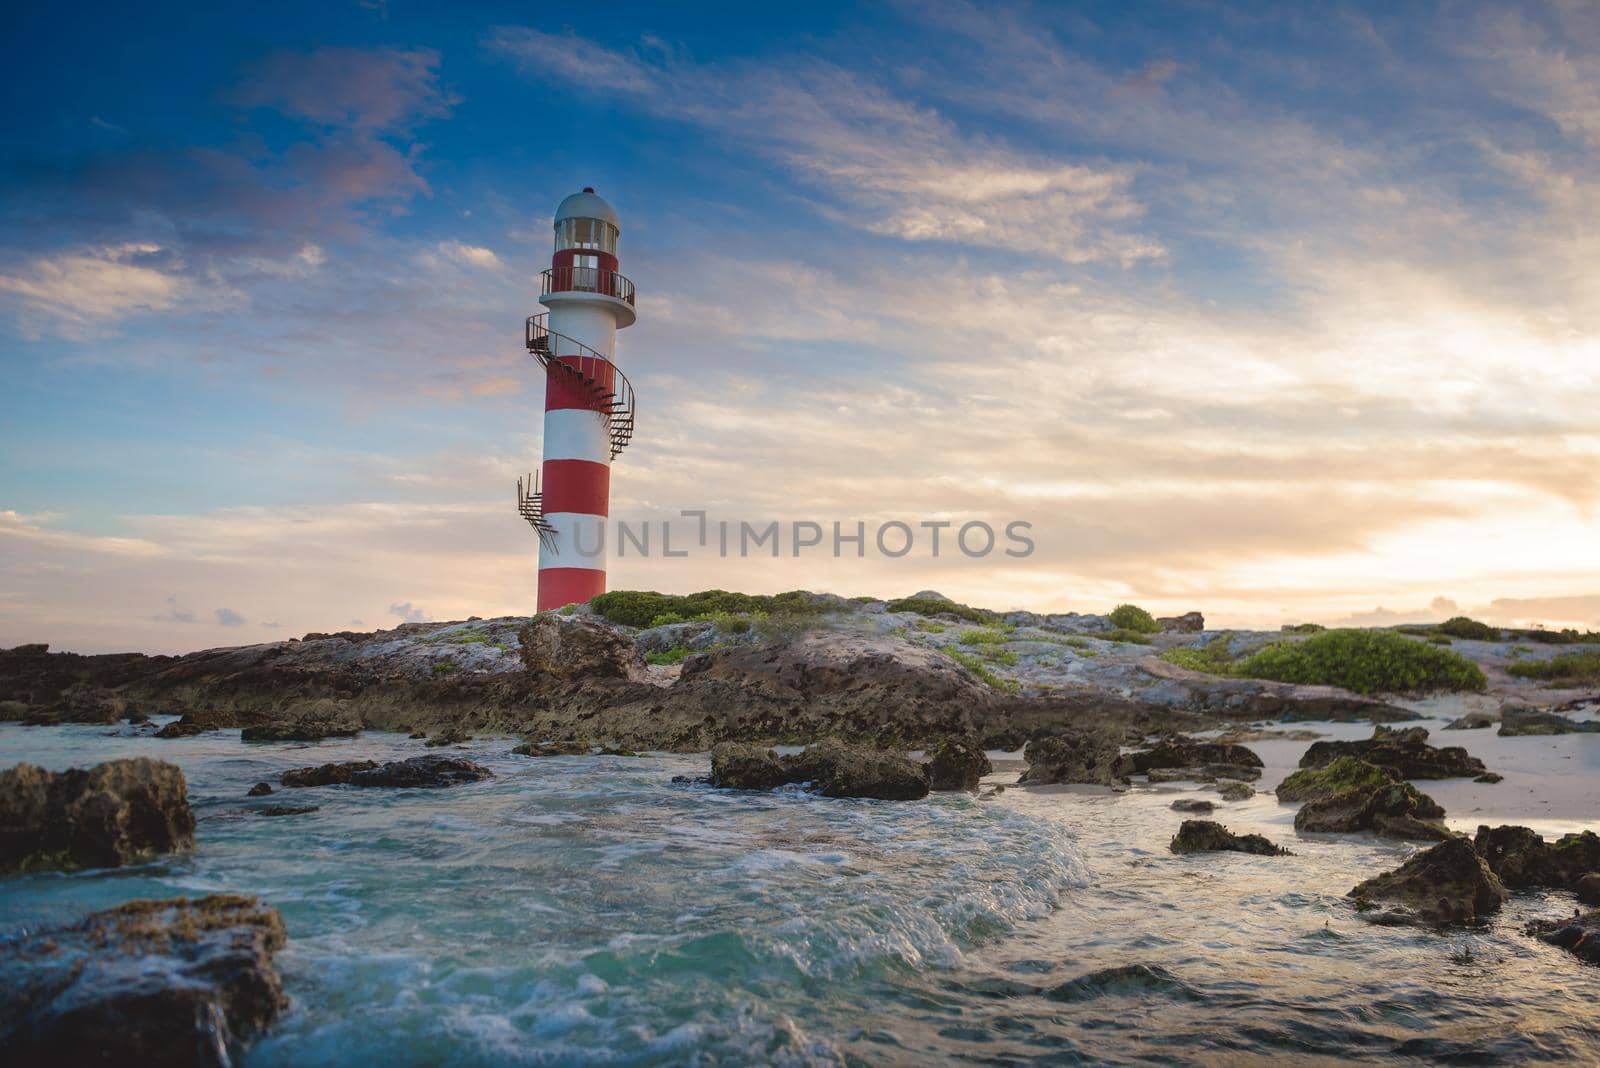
(1444, 606)
(409, 614)
(227, 617)
(92, 288)
(173, 614)
(377, 90)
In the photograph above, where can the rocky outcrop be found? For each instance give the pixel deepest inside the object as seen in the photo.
(1234, 790)
(449, 736)
(159, 983)
(1472, 721)
(954, 764)
(119, 812)
(260, 789)
(38, 686)
(1345, 773)
(1393, 809)
(834, 769)
(1191, 760)
(1523, 860)
(212, 719)
(1206, 836)
(573, 647)
(1188, 623)
(308, 722)
(1073, 758)
(1193, 804)
(547, 748)
(1579, 935)
(1588, 889)
(1406, 751)
(433, 772)
(1448, 884)
(1538, 721)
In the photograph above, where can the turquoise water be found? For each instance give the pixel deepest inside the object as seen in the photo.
(590, 911)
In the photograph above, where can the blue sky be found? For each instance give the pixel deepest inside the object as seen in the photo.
(1277, 311)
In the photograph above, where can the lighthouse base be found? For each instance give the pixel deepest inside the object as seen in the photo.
(561, 586)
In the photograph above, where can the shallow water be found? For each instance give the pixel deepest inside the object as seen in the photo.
(589, 911)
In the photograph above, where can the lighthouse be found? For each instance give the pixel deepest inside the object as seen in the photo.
(588, 403)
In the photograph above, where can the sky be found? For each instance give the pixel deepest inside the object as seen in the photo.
(1278, 312)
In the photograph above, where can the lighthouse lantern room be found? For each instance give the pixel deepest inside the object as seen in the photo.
(588, 405)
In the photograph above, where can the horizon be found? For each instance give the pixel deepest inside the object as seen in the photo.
(1283, 316)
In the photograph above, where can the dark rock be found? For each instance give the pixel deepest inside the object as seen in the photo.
(433, 771)
(449, 736)
(1206, 836)
(1395, 810)
(1588, 889)
(1128, 980)
(1537, 721)
(157, 983)
(1446, 884)
(260, 789)
(1489, 777)
(1523, 860)
(1193, 804)
(1188, 623)
(742, 766)
(1073, 758)
(285, 810)
(571, 647)
(1179, 752)
(193, 723)
(546, 749)
(417, 734)
(1579, 935)
(119, 812)
(833, 768)
(1345, 773)
(1406, 751)
(1472, 721)
(310, 722)
(1234, 790)
(957, 765)
(1205, 773)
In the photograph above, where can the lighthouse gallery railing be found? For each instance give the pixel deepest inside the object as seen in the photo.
(586, 280)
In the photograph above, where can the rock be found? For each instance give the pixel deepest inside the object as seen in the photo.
(1579, 935)
(159, 983)
(547, 749)
(742, 766)
(1522, 859)
(1447, 884)
(1472, 721)
(1489, 777)
(1188, 623)
(1406, 751)
(415, 735)
(1345, 773)
(1394, 809)
(1537, 721)
(1193, 804)
(118, 812)
(1234, 790)
(957, 765)
(449, 736)
(310, 721)
(285, 810)
(1588, 889)
(572, 647)
(434, 771)
(260, 789)
(1073, 758)
(696, 635)
(1206, 836)
(1205, 773)
(1180, 752)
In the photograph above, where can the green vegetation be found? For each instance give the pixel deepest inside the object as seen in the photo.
(1303, 628)
(1440, 639)
(1077, 643)
(1126, 634)
(1568, 669)
(1567, 636)
(1132, 617)
(666, 619)
(674, 655)
(928, 626)
(991, 635)
(444, 667)
(640, 608)
(1365, 661)
(999, 656)
(568, 609)
(1345, 773)
(1471, 629)
(976, 665)
(928, 606)
(1213, 658)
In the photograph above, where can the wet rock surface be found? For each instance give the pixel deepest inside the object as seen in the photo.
(1345, 773)
(1394, 810)
(119, 812)
(1579, 935)
(1193, 804)
(1406, 751)
(1207, 836)
(1523, 860)
(1536, 721)
(1092, 759)
(433, 772)
(834, 768)
(158, 983)
(1447, 884)
(311, 722)
(954, 764)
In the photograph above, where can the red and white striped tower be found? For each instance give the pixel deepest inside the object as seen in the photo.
(588, 403)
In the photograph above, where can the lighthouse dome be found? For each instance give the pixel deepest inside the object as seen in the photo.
(587, 205)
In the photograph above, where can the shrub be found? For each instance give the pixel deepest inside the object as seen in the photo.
(666, 619)
(976, 665)
(1303, 628)
(1440, 639)
(1126, 634)
(1212, 659)
(637, 608)
(1471, 629)
(1365, 661)
(674, 655)
(985, 636)
(1568, 669)
(931, 606)
(1132, 617)
(1567, 636)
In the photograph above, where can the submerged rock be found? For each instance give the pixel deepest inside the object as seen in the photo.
(448, 736)
(286, 810)
(1218, 759)
(153, 983)
(260, 789)
(1234, 790)
(1522, 859)
(1538, 721)
(833, 768)
(1345, 773)
(1394, 809)
(1127, 980)
(1447, 884)
(1472, 721)
(546, 749)
(957, 765)
(1193, 804)
(1406, 751)
(1207, 836)
(1579, 935)
(1073, 758)
(115, 813)
(433, 771)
